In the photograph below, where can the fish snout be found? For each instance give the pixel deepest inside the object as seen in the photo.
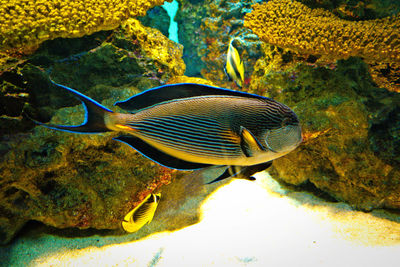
(284, 139)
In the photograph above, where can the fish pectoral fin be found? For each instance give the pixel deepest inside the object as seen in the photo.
(158, 156)
(249, 143)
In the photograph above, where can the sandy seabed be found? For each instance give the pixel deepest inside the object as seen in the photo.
(242, 224)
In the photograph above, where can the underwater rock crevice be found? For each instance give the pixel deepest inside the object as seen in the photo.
(82, 181)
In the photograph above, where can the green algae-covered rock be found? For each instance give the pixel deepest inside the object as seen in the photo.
(351, 143)
(71, 180)
(156, 18)
(130, 56)
(189, 17)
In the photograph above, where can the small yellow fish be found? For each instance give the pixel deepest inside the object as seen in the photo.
(141, 214)
(234, 66)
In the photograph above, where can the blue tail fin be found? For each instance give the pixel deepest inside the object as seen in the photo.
(94, 115)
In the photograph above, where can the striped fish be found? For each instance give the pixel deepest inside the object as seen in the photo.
(141, 214)
(234, 68)
(191, 126)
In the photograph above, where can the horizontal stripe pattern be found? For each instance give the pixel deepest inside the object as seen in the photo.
(196, 135)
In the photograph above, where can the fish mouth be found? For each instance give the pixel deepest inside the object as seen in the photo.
(284, 139)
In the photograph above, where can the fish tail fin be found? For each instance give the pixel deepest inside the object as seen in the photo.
(95, 114)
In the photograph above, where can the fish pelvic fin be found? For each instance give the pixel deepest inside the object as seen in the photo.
(95, 115)
(242, 172)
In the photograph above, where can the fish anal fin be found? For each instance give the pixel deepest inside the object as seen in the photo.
(158, 156)
(249, 143)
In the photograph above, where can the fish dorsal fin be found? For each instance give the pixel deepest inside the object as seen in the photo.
(176, 91)
(249, 143)
(158, 156)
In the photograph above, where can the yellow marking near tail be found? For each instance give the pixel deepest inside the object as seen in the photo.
(123, 127)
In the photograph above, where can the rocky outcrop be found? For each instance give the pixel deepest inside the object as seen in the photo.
(351, 147)
(351, 138)
(69, 180)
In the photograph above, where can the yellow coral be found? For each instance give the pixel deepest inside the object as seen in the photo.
(290, 24)
(156, 46)
(27, 23)
(186, 79)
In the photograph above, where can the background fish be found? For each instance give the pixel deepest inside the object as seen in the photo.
(190, 126)
(234, 68)
(141, 214)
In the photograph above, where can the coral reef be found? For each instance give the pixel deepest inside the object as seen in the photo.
(189, 18)
(157, 46)
(223, 20)
(186, 79)
(356, 10)
(351, 142)
(133, 56)
(292, 25)
(351, 149)
(156, 18)
(26, 23)
(68, 180)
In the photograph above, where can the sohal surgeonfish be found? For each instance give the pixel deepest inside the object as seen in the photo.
(141, 214)
(190, 126)
(234, 68)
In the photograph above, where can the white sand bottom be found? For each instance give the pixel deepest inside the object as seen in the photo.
(243, 224)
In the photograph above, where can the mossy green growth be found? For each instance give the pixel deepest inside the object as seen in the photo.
(344, 120)
(71, 180)
(107, 65)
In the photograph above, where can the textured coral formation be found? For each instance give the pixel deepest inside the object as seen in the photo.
(186, 79)
(189, 17)
(290, 24)
(27, 23)
(209, 40)
(156, 46)
(69, 180)
(351, 147)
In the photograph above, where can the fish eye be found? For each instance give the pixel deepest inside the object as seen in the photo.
(285, 122)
